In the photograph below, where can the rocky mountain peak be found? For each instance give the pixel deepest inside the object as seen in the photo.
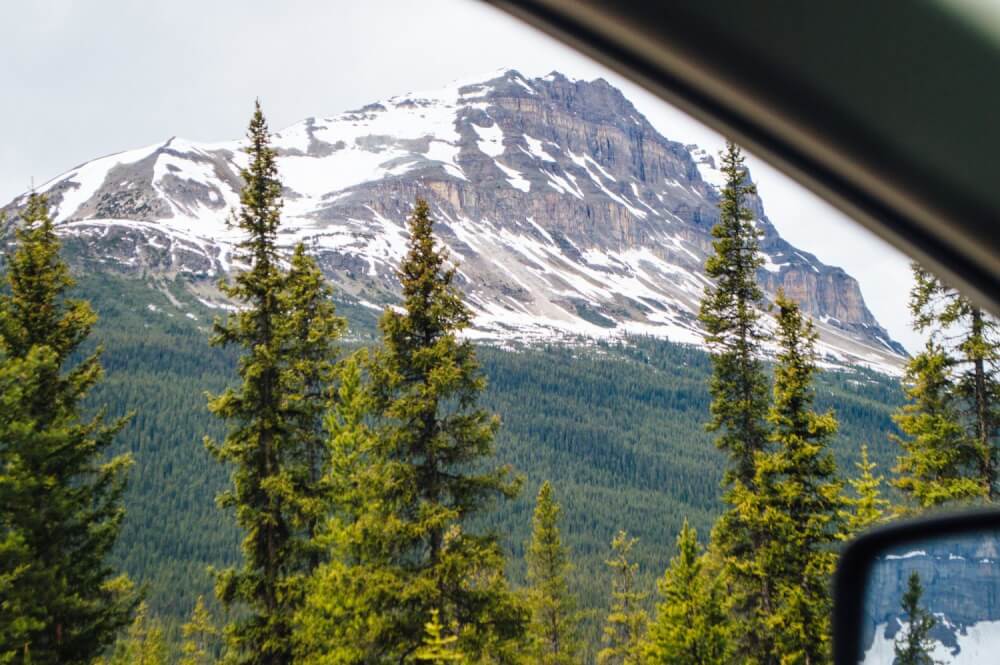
(567, 212)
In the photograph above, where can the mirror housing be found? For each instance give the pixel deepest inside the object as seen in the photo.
(958, 557)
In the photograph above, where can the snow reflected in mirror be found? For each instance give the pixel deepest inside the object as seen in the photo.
(934, 602)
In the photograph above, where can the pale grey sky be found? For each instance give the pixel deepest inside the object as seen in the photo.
(84, 79)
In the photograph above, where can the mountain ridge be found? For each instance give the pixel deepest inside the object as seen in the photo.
(569, 215)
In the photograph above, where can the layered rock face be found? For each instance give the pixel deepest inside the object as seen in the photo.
(566, 211)
(961, 581)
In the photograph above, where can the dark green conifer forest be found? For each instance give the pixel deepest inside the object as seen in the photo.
(379, 490)
(617, 429)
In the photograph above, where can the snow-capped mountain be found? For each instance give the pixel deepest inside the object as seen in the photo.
(567, 212)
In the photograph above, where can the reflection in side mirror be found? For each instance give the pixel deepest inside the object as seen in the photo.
(936, 599)
(922, 593)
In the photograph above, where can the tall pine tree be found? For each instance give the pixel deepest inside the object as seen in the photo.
(799, 502)
(313, 329)
(738, 386)
(347, 616)
(939, 462)
(914, 645)
(730, 316)
(61, 507)
(200, 637)
(287, 329)
(401, 543)
(690, 627)
(867, 507)
(554, 629)
(964, 340)
(259, 442)
(625, 626)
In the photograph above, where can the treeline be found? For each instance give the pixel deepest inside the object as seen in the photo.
(365, 485)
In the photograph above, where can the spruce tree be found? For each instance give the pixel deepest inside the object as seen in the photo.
(61, 508)
(738, 386)
(730, 316)
(914, 646)
(142, 644)
(438, 648)
(625, 626)
(286, 329)
(689, 628)
(313, 329)
(401, 545)
(968, 339)
(800, 501)
(554, 629)
(939, 461)
(867, 507)
(347, 616)
(200, 637)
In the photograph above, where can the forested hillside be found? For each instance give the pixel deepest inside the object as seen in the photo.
(618, 429)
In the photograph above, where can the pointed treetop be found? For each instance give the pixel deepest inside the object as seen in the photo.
(868, 507)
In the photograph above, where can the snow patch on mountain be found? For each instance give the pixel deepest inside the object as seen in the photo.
(569, 214)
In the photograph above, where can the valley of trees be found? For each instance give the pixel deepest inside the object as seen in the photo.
(371, 508)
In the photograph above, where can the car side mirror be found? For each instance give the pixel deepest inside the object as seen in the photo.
(924, 592)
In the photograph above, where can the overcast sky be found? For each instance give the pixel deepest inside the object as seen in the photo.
(84, 79)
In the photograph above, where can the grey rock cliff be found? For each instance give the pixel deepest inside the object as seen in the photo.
(567, 212)
(961, 581)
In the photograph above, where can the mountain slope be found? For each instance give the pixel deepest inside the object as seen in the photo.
(568, 213)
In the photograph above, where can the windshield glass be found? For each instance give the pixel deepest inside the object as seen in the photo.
(398, 332)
